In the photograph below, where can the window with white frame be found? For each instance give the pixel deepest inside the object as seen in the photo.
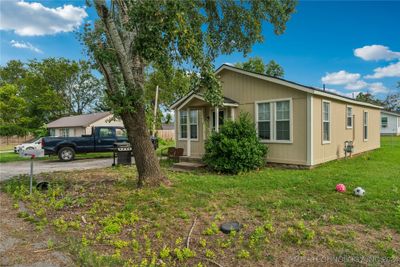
(193, 124)
(193, 118)
(349, 117)
(282, 120)
(365, 125)
(52, 132)
(183, 124)
(273, 120)
(264, 121)
(326, 121)
(384, 122)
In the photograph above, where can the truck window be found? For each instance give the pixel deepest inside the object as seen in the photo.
(105, 132)
(120, 132)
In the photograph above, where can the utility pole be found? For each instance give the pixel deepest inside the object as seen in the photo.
(155, 112)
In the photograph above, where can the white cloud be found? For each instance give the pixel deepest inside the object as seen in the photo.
(340, 77)
(376, 52)
(377, 88)
(393, 70)
(34, 19)
(357, 85)
(25, 45)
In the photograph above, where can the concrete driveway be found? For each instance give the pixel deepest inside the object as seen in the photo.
(10, 169)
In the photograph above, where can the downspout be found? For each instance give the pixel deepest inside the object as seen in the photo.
(354, 128)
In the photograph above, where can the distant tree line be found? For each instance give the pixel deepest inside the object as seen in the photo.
(36, 92)
(390, 103)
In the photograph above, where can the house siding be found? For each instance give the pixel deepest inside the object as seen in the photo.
(79, 131)
(306, 146)
(73, 131)
(196, 146)
(340, 133)
(106, 121)
(393, 127)
(247, 90)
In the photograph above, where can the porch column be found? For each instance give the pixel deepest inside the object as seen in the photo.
(217, 119)
(232, 113)
(188, 132)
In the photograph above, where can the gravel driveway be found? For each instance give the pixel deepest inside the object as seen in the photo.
(10, 169)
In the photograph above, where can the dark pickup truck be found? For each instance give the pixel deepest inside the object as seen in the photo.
(102, 139)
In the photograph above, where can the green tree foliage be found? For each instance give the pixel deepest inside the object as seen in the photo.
(256, 64)
(274, 69)
(132, 35)
(173, 84)
(83, 91)
(13, 120)
(392, 101)
(235, 148)
(51, 88)
(367, 97)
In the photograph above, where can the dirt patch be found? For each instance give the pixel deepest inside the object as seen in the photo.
(22, 245)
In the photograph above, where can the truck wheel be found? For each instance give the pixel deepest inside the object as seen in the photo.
(66, 154)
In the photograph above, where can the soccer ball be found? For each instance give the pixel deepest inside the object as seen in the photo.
(359, 192)
(340, 188)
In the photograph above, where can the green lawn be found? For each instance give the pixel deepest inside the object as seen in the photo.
(288, 216)
(11, 156)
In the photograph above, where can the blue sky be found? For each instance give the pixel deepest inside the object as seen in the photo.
(350, 46)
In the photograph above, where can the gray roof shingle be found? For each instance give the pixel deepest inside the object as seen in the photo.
(78, 120)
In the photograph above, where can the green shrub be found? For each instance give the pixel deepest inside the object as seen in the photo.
(235, 148)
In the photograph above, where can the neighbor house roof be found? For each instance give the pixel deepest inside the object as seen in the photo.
(78, 120)
(391, 113)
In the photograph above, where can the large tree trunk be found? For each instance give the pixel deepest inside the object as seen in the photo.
(133, 115)
(145, 157)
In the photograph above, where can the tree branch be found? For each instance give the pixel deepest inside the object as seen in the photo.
(190, 232)
(126, 63)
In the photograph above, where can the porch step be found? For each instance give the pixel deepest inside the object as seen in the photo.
(187, 166)
(190, 159)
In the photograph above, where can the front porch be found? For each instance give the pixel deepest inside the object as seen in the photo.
(196, 119)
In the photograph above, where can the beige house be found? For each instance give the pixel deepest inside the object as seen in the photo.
(301, 125)
(81, 124)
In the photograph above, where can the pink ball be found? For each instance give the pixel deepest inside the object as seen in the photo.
(340, 188)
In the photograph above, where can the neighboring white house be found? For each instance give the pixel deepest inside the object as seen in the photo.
(390, 123)
(81, 124)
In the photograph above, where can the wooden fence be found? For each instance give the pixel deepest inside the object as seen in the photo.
(14, 140)
(166, 134)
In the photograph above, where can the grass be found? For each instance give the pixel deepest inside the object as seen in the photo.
(288, 216)
(11, 156)
(5, 147)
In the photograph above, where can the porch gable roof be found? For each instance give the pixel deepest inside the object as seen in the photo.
(186, 99)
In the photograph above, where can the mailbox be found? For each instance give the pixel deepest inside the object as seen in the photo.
(36, 153)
